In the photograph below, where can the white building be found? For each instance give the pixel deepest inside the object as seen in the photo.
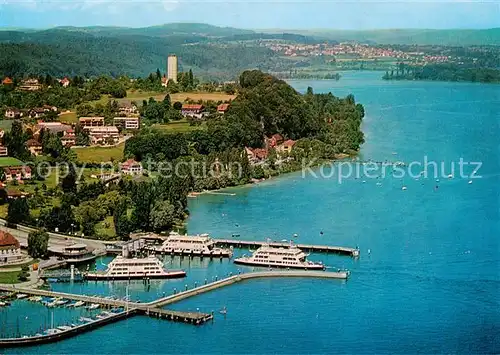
(104, 135)
(10, 249)
(127, 122)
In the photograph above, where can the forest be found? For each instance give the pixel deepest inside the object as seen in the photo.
(444, 72)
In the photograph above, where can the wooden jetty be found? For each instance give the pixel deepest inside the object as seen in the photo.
(152, 309)
(236, 243)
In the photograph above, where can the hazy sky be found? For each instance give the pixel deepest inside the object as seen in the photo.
(339, 14)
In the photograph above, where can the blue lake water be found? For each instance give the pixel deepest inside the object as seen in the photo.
(428, 279)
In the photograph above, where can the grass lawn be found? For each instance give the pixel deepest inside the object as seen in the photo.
(106, 228)
(6, 124)
(9, 277)
(69, 117)
(3, 210)
(9, 161)
(100, 154)
(181, 126)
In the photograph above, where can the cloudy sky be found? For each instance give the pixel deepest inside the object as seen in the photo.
(291, 14)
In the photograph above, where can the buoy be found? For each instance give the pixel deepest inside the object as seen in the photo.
(321, 232)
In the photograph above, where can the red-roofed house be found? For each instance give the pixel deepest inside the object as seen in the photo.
(17, 173)
(256, 155)
(7, 81)
(131, 167)
(274, 140)
(10, 249)
(222, 108)
(286, 147)
(193, 110)
(64, 82)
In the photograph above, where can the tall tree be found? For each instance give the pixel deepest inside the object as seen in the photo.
(18, 211)
(38, 242)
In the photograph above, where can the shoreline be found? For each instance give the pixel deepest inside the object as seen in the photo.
(253, 182)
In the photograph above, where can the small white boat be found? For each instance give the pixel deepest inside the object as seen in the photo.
(86, 320)
(35, 299)
(93, 306)
(61, 302)
(450, 176)
(52, 331)
(404, 188)
(470, 182)
(3, 304)
(78, 304)
(20, 296)
(63, 327)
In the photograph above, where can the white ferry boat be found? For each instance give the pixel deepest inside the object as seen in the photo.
(268, 256)
(198, 245)
(137, 268)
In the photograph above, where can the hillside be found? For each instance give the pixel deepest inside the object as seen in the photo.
(452, 37)
(77, 52)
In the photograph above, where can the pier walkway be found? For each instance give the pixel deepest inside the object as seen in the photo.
(236, 243)
(152, 309)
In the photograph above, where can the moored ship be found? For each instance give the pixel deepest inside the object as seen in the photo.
(198, 245)
(268, 256)
(137, 268)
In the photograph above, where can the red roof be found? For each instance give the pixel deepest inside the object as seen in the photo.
(192, 107)
(222, 107)
(289, 143)
(260, 153)
(7, 240)
(7, 81)
(129, 163)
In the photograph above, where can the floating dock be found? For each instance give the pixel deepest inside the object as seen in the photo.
(236, 243)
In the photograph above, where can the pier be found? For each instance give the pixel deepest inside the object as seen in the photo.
(236, 243)
(152, 309)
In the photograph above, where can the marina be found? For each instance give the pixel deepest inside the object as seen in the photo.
(152, 309)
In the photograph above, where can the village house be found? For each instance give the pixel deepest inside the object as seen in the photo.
(17, 173)
(274, 140)
(87, 122)
(39, 112)
(30, 85)
(131, 167)
(222, 108)
(69, 138)
(256, 155)
(285, 147)
(4, 152)
(2, 133)
(104, 135)
(127, 108)
(10, 249)
(64, 82)
(127, 122)
(34, 147)
(164, 81)
(7, 81)
(193, 110)
(13, 113)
